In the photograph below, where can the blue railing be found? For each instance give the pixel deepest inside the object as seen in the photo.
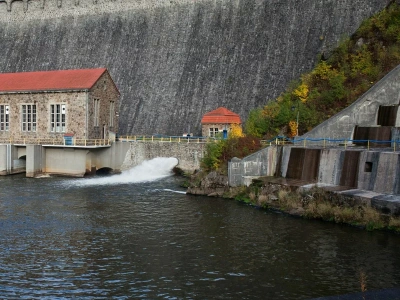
(306, 141)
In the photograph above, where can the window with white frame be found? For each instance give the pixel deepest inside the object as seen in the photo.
(4, 118)
(96, 108)
(213, 132)
(57, 117)
(112, 106)
(28, 117)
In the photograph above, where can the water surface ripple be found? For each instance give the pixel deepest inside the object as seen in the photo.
(61, 239)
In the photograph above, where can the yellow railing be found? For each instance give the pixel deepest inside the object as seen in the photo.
(166, 139)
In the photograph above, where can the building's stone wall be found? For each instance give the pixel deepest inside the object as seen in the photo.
(106, 91)
(79, 121)
(205, 128)
(75, 114)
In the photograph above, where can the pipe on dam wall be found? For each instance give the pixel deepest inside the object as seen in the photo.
(175, 60)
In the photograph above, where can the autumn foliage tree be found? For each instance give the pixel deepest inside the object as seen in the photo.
(357, 64)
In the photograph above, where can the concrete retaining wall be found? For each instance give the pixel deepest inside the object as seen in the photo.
(375, 171)
(188, 154)
(363, 112)
(261, 163)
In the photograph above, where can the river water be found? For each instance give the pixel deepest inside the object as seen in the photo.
(137, 235)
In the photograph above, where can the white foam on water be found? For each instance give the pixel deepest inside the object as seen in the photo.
(149, 170)
(174, 191)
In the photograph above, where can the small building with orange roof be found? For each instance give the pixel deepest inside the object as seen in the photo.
(218, 121)
(53, 104)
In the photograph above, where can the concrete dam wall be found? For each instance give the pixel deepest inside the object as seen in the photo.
(371, 177)
(175, 60)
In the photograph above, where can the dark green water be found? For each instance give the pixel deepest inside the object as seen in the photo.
(85, 239)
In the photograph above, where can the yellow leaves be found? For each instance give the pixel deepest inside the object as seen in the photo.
(271, 110)
(292, 128)
(322, 70)
(236, 131)
(302, 92)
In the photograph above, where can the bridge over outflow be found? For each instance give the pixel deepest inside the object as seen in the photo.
(78, 161)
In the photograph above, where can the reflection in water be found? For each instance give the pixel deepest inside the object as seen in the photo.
(107, 237)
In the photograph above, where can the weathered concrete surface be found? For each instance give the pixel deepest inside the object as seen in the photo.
(34, 161)
(10, 160)
(261, 163)
(330, 168)
(188, 154)
(174, 60)
(363, 112)
(369, 177)
(379, 172)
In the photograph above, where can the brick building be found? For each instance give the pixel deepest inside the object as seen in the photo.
(50, 104)
(218, 121)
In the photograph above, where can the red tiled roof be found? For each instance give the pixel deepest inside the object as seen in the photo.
(221, 116)
(50, 80)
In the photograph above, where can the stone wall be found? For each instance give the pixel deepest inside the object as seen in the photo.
(78, 120)
(75, 114)
(175, 60)
(107, 93)
(188, 154)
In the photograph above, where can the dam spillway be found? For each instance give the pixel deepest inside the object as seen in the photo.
(175, 60)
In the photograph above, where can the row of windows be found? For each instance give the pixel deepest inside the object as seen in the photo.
(57, 116)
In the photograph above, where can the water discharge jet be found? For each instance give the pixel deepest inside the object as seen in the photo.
(149, 170)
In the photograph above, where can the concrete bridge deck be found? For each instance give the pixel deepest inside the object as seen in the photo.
(81, 157)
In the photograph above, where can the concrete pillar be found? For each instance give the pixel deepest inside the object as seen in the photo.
(34, 159)
(330, 167)
(235, 172)
(3, 159)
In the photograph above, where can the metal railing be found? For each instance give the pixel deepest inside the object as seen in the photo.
(57, 142)
(166, 139)
(328, 142)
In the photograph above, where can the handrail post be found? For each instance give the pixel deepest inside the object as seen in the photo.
(85, 142)
(324, 142)
(345, 144)
(304, 142)
(368, 145)
(179, 139)
(152, 138)
(394, 146)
